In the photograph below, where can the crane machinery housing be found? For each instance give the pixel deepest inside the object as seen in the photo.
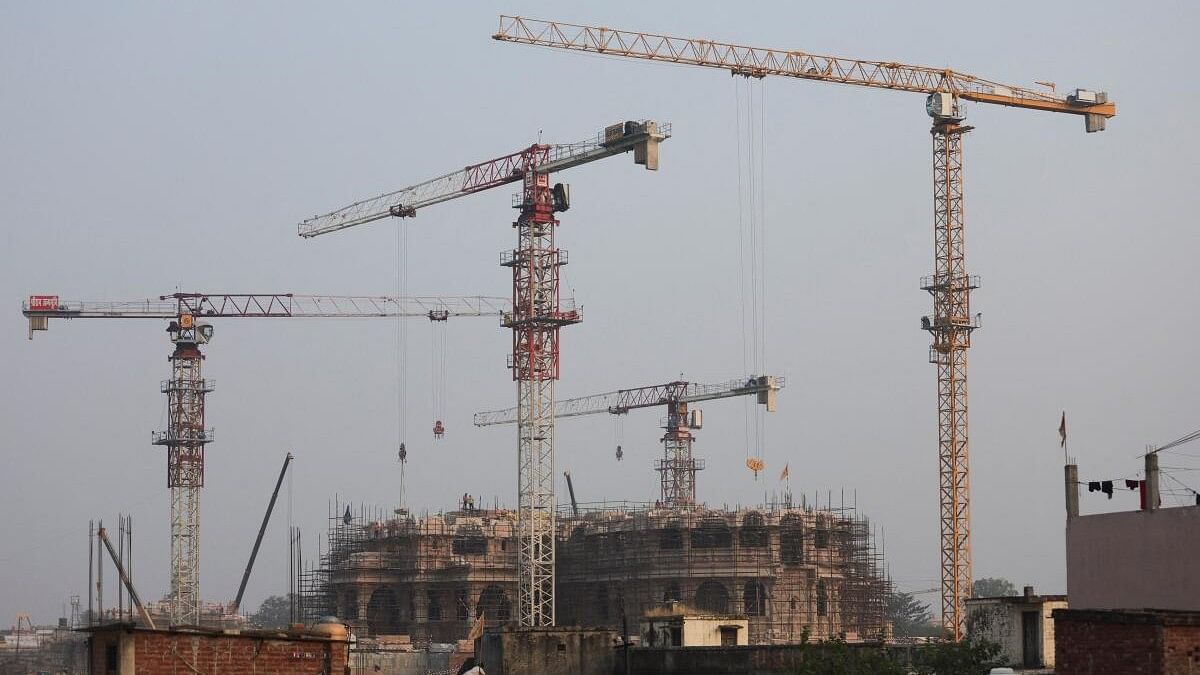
(538, 311)
(187, 435)
(952, 323)
(677, 467)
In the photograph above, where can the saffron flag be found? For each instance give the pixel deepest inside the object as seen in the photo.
(1062, 431)
(477, 629)
(784, 474)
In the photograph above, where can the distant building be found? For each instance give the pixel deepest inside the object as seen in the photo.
(790, 572)
(1022, 625)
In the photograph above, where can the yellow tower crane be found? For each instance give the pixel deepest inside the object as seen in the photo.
(952, 322)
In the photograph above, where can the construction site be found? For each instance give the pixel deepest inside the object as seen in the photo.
(722, 569)
(793, 571)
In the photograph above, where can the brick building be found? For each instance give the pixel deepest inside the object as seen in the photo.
(1147, 642)
(124, 649)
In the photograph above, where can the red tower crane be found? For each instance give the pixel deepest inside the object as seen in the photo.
(537, 314)
(186, 435)
(950, 285)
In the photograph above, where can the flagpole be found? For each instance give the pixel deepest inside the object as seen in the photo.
(1062, 433)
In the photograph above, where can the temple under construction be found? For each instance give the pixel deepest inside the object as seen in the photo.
(795, 571)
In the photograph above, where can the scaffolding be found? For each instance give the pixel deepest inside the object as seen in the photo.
(429, 577)
(795, 571)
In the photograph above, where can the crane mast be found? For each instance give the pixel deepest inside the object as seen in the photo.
(951, 324)
(187, 434)
(538, 313)
(678, 466)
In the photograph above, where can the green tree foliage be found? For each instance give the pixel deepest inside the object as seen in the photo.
(835, 657)
(969, 657)
(909, 616)
(274, 612)
(992, 588)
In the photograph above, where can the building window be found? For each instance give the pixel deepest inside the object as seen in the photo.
(462, 605)
(383, 612)
(729, 636)
(672, 592)
(753, 533)
(713, 532)
(110, 658)
(469, 540)
(494, 605)
(791, 540)
(754, 598)
(435, 607)
(671, 537)
(822, 598)
(821, 537)
(712, 597)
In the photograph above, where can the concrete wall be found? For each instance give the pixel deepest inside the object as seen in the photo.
(999, 620)
(561, 650)
(369, 662)
(1134, 560)
(748, 660)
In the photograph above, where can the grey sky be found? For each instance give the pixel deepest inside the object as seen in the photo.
(154, 147)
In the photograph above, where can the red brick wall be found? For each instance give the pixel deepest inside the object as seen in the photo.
(1181, 650)
(1092, 648)
(234, 655)
(1146, 642)
(172, 653)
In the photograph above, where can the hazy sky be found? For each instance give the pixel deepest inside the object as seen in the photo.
(153, 147)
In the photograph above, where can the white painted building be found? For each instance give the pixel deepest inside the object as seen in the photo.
(1021, 624)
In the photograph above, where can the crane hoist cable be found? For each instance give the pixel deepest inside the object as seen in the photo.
(752, 253)
(619, 435)
(402, 356)
(438, 375)
(402, 333)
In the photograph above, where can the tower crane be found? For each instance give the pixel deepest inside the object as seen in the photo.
(950, 285)
(186, 435)
(537, 313)
(677, 467)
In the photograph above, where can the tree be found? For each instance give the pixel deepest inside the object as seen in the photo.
(992, 588)
(969, 657)
(274, 612)
(909, 616)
